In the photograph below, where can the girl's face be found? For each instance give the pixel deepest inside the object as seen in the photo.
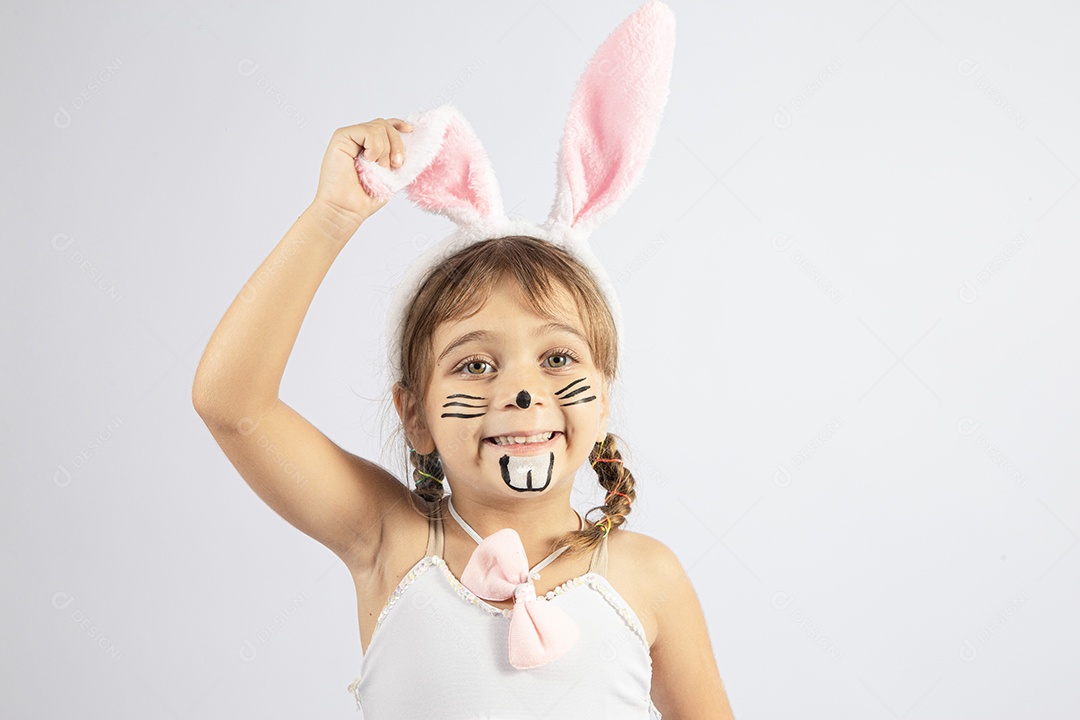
(515, 403)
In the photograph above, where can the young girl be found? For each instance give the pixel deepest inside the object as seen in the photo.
(503, 350)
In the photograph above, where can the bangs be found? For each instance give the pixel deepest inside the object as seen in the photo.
(544, 273)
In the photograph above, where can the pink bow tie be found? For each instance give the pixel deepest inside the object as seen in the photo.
(539, 631)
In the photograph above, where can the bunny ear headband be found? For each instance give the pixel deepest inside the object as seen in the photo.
(611, 128)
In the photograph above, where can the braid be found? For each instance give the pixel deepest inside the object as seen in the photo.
(428, 475)
(611, 473)
(613, 476)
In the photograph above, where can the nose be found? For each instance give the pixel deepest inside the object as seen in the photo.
(519, 386)
(518, 397)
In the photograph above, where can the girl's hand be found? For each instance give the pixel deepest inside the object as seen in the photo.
(339, 189)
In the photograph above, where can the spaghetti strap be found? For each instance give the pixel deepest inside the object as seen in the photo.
(435, 534)
(599, 559)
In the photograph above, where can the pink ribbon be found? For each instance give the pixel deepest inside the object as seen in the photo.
(539, 631)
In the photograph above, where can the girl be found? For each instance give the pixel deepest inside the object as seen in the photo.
(503, 349)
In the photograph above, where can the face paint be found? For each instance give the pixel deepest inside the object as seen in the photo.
(461, 404)
(523, 473)
(527, 473)
(580, 389)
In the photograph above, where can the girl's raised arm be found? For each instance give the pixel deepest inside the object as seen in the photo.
(335, 497)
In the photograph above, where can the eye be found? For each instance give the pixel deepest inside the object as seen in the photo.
(470, 365)
(567, 357)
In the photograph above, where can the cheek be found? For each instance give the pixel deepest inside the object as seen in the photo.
(581, 399)
(455, 418)
(463, 409)
(577, 392)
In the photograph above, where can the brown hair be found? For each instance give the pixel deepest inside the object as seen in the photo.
(458, 287)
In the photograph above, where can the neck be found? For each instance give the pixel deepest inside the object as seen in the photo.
(539, 522)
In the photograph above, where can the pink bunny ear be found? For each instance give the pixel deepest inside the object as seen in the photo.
(614, 118)
(445, 169)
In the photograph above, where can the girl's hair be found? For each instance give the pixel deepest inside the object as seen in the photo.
(456, 289)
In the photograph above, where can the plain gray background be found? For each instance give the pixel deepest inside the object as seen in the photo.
(849, 390)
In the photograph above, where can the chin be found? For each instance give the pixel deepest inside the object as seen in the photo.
(527, 473)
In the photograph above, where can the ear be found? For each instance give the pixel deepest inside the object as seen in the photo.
(614, 118)
(410, 410)
(445, 169)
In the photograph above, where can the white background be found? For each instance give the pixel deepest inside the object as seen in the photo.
(849, 391)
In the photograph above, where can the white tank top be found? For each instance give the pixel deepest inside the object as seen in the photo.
(438, 652)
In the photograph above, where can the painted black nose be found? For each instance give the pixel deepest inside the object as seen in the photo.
(523, 399)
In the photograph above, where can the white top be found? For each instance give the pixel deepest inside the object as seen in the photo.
(438, 651)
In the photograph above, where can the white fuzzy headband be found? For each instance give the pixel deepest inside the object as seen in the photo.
(614, 118)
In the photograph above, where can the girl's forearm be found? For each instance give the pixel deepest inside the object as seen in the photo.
(240, 370)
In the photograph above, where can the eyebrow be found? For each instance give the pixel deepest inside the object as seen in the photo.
(484, 334)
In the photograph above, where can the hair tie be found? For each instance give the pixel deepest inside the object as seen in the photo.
(616, 492)
(598, 451)
(438, 480)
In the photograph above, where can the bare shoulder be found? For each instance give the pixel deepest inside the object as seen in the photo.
(671, 592)
(686, 680)
(653, 561)
(649, 547)
(640, 567)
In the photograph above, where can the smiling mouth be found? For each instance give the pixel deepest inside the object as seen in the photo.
(519, 448)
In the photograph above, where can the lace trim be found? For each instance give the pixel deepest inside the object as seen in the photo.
(592, 579)
(354, 689)
(602, 586)
(467, 594)
(410, 577)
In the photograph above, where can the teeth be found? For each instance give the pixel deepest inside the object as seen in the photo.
(516, 440)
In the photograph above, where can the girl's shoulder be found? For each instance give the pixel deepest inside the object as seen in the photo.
(641, 551)
(639, 568)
